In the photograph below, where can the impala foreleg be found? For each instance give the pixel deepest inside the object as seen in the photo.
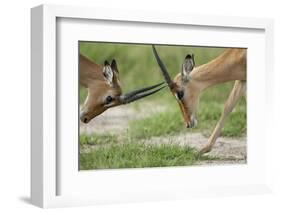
(239, 89)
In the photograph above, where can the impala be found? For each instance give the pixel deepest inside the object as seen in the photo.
(192, 81)
(104, 89)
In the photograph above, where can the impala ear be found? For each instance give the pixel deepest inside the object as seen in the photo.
(108, 73)
(106, 63)
(187, 67)
(114, 65)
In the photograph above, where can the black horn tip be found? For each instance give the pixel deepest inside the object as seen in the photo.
(163, 68)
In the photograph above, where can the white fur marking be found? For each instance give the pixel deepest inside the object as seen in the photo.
(108, 74)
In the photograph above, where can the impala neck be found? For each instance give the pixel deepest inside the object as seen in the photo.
(89, 71)
(229, 66)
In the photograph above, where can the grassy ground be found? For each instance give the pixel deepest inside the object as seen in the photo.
(138, 68)
(138, 155)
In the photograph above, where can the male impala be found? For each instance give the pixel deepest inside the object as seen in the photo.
(104, 89)
(191, 81)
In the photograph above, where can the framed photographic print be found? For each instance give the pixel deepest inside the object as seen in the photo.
(129, 106)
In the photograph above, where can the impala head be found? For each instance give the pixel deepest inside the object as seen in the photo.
(104, 90)
(183, 88)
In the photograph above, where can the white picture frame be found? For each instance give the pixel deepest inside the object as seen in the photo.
(46, 162)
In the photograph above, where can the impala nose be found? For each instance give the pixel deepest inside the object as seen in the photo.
(83, 118)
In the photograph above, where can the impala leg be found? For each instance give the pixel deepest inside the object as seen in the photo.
(239, 89)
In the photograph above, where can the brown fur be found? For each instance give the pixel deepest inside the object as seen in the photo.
(229, 66)
(91, 77)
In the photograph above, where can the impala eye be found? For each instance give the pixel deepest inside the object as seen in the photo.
(180, 95)
(108, 99)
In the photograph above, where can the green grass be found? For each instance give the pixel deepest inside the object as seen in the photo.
(138, 68)
(137, 155)
(210, 109)
(98, 139)
(162, 123)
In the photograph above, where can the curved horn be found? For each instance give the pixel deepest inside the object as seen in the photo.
(163, 69)
(141, 93)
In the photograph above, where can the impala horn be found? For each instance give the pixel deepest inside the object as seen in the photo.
(163, 69)
(141, 93)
